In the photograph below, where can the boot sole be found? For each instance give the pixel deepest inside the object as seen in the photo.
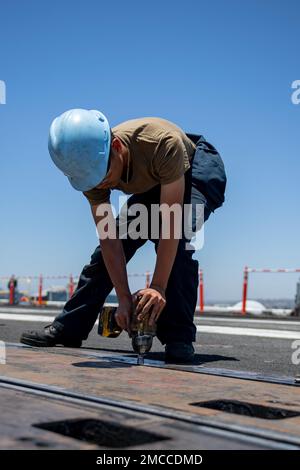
(47, 344)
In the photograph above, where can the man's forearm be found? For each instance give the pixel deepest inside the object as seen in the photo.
(171, 194)
(112, 252)
(114, 259)
(166, 253)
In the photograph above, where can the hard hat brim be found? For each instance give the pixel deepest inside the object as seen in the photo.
(85, 184)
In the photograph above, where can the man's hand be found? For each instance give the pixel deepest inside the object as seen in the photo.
(152, 298)
(124, 313)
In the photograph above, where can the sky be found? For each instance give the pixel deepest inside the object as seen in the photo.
(219, 68)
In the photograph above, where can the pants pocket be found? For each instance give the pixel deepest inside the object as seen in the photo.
(208, 173)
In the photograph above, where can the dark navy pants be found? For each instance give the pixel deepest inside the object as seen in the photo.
(204, 184)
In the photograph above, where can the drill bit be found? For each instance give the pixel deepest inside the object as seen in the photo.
(141, 344)
(140, 360)
(142, 336)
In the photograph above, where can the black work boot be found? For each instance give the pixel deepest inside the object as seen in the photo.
(50, 336)
(179, 352)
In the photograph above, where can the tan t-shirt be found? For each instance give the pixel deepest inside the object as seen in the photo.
(159, 153)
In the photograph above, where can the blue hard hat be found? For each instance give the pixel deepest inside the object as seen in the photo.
(79, 145)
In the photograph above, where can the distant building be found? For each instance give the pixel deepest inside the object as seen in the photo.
(297, 298)
(53, 294)
(56, 294)
(296, 310)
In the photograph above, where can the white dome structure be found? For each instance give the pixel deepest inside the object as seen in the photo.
(252, 306)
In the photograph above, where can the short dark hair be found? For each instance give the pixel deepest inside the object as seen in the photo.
(109, 156)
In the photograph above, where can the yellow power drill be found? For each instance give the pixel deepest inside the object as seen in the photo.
(142, 333)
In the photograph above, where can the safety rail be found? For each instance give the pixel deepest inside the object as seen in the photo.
(71, 285)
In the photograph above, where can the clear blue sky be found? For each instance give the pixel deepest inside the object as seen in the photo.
(220, 68)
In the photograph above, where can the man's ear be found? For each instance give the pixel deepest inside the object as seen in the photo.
(116, 144)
